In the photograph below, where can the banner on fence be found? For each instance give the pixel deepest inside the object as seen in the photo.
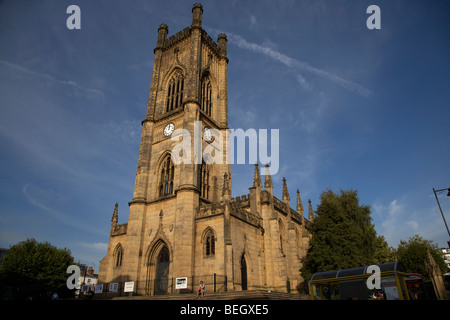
(99, 288)
(181, 283)
(129, 286)
(113, 287)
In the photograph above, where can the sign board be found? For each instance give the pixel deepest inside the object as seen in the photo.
(99, 288)
(391, 292)
(181, 283)
(113, 287)
(129, 286)
(390, 289)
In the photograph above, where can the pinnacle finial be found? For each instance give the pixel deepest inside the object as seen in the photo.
(226, 190)
(299, 203)
(222, 42)
(268, 179)
(310, 211)
(115, 216)
(197, 11)
(285, 190)
(257, 177)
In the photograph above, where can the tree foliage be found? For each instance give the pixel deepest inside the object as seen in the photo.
(33, 269)
(383, 253)
(413, 255)
(343, 235)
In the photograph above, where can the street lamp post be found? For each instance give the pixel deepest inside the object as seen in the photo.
(439, 205)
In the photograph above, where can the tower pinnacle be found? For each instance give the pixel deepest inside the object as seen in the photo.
(299, 203)
(268, 180)
(226, 189)
(285, 191)
(310, 211)
(115, 216)
(257, 177)
(197, 11)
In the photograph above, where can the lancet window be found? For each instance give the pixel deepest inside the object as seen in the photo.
(210, 243)
(119, 255)
(206, 102)
(166, 177)
(204, 181)
(175, 91)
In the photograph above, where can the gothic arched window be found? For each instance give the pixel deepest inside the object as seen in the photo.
(166, 177)
(282, 236)
(206, 102)
(210, 243)
(119, 255)
(175, 91)
(204, 181)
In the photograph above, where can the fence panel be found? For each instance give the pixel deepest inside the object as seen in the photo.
(213, 283)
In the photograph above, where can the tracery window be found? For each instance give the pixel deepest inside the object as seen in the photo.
(204, 181)
(206, 102)
(119, 255)
(210, 245)
(175, 91)
(166, 177)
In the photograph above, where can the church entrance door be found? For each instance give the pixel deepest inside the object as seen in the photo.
(162, 271)
(243, 273)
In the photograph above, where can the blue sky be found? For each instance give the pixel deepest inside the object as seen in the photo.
(356, 108)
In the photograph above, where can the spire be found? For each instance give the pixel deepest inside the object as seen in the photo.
(311, 212)
(299, 203)
(268, 180)
(257, 177)
(115, 216)
(285, 190)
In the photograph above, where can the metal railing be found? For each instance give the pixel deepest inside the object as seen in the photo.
(213, 283)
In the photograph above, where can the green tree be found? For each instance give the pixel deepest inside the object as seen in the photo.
(343, 235)
(34, 269)
(413, 255)
(383, 253)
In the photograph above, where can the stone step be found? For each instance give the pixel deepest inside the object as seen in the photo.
(231, 295)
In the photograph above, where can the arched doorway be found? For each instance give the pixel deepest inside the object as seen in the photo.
(243, 273)
(162, 271)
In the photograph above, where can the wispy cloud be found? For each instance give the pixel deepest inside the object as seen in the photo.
(295, 64)
(96, 246)
(54, 213)
(303, 83)
(400, 220)
(45, 80)
(253, 21)
(389, 215)
(310, 115)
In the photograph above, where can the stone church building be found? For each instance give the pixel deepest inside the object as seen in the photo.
(182, 219)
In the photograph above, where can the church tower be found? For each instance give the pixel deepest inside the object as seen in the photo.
(183, 221)
(187, 104)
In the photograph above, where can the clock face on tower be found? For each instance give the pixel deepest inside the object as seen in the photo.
(169, 129)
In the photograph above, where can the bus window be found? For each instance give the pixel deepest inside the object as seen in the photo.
(416, 289)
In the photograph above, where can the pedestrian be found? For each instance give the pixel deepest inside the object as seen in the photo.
(201, 289)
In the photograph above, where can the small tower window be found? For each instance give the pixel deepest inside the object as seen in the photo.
(166, 178)
(175, 91)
